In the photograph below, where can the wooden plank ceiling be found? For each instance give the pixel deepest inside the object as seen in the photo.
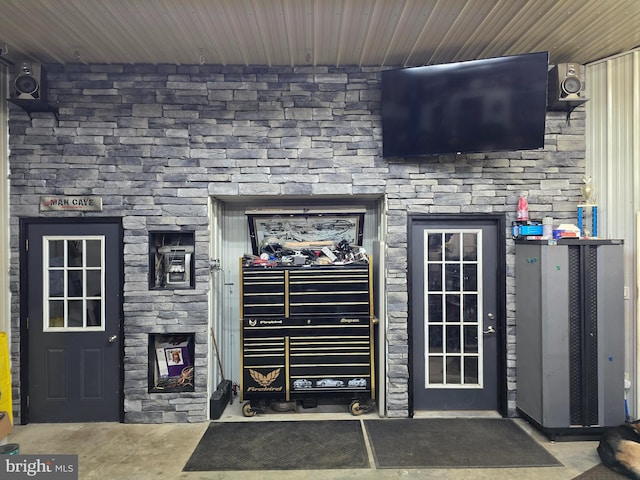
(313, 32)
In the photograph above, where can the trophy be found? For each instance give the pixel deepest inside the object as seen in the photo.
(587, 209)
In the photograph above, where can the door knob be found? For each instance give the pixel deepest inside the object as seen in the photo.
(113, 338)
(489, 330)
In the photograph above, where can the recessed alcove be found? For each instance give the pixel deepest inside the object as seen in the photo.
(171, 264)
(171, 362)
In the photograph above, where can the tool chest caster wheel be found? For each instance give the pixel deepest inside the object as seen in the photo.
(357, 408)
(249, 410)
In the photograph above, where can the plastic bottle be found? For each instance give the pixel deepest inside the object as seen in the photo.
(523, 208)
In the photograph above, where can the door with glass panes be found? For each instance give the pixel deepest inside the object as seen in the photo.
(74, 278)
(455, 322)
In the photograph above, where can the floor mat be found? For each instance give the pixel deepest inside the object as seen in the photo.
(454, 443)
(297, 445)
(600, 472)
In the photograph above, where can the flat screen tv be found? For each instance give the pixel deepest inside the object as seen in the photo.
(495, 104)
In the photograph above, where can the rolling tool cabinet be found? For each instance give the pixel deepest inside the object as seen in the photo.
(307, 333)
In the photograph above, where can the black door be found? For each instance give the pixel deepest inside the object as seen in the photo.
(457, 313)
(73, 288)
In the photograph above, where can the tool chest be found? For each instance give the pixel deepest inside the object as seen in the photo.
(307, 333)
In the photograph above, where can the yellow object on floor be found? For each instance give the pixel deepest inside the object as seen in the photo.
(5, 377)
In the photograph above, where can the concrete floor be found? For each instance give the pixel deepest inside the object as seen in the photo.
(141, 452)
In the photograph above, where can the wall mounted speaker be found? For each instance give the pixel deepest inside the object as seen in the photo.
(570, 77)
(29, 82)
(566, 86)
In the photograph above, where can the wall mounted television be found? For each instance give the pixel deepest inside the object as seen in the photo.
(488, 105)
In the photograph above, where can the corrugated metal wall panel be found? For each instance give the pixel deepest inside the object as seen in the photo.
(235, 243)
(613, 160)
(4, 203)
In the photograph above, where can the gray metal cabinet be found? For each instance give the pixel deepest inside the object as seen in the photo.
(570, 335)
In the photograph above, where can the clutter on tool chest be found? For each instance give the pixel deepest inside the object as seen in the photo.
(307, 321)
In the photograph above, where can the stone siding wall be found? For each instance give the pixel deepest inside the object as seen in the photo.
(155, 141)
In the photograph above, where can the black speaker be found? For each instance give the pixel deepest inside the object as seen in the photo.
(29, 82)
(566, 85)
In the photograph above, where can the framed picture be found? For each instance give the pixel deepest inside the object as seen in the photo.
(308, 227)
(174, 369)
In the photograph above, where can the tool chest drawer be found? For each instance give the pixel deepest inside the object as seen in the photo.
(263, 292)
(292, 358)
(338, 358)
(329, 291)
(315, 291)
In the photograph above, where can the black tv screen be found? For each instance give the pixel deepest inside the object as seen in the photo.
(495, 104)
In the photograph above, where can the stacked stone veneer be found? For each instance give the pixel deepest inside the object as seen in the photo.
(155, 141)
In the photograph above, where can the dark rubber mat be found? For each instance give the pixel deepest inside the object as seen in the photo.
(454, 443)
(600, 472)
(296, 445)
